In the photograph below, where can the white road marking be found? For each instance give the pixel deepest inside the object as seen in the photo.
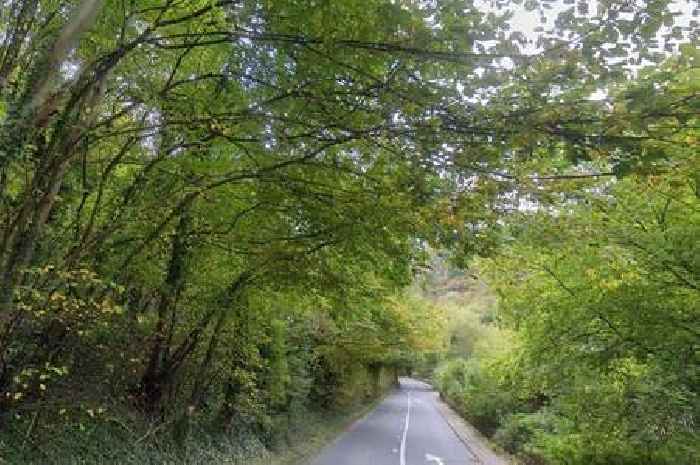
(402, 455)
(433, 458)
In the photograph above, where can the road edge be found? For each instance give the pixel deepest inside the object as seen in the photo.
(477, 444)
(315, 445)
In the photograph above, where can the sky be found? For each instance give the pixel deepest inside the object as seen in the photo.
(527, 21)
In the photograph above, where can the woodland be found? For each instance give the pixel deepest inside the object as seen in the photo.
(224, 224)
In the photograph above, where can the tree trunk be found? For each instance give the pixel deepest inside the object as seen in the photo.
(159, 369)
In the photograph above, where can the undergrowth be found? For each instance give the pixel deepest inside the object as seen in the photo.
(115, 441)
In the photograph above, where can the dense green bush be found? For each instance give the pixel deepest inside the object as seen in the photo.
(609, 421)
(475, 389)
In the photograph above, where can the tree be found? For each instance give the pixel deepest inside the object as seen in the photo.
(178, 167)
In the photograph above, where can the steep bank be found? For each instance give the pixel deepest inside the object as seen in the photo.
(131, 440)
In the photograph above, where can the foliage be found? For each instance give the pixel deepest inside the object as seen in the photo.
(603, 297)
(211, 211)
(476, 391)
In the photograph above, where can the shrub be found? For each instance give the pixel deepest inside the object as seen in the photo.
(473, 388)
(519, 434)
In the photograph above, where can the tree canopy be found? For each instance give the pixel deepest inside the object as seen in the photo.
(213, 208)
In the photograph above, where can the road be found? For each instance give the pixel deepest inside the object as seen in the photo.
(407, 428)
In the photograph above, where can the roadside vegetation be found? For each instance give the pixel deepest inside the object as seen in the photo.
(596, 328)
(221, 221)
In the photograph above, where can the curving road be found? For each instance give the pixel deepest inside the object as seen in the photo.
(407, 428)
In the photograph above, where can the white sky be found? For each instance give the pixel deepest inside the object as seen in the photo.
(528, 21)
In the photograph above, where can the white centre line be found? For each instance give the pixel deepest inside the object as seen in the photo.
(402, 454)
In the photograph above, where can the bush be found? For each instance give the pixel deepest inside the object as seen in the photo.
(473, 388)
(519, 433)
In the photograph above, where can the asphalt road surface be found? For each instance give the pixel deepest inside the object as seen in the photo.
(407, 428)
